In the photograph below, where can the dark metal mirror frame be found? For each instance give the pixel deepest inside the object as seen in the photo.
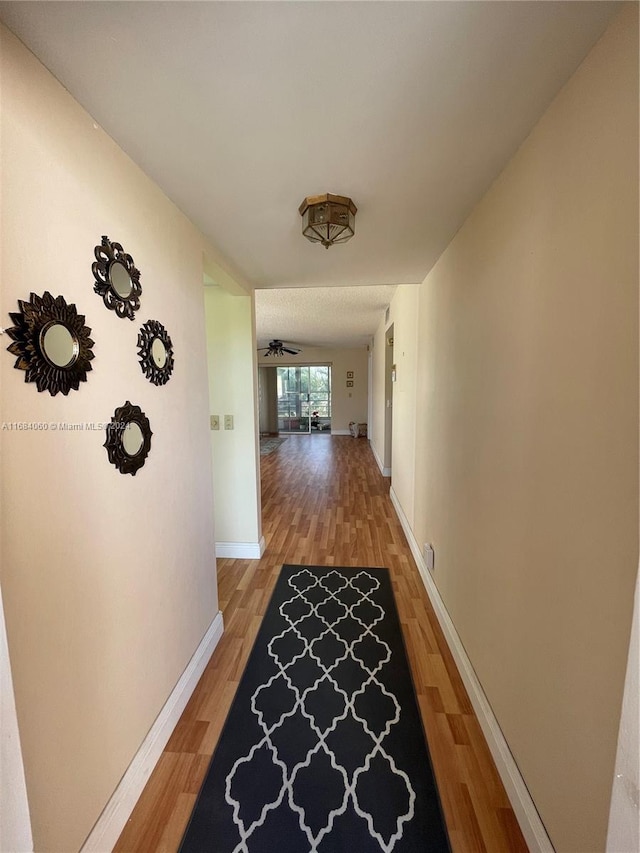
(31, 323)
(108, 253)
(151, 330)
(124, 415)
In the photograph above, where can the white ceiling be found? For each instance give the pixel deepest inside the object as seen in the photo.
(333, 317)
(240, 109)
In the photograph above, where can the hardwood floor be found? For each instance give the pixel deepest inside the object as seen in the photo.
(324, 502)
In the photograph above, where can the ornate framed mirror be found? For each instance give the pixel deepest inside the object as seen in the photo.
(128, 438)
(51, 342)
(116, 278)
(156, 352)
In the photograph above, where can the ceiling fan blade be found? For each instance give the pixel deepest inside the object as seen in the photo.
(276, 348)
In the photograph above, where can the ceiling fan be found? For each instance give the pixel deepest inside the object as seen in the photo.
(278, 349)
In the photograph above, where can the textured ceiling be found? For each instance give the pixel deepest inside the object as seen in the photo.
(238, 110)
(321, 316)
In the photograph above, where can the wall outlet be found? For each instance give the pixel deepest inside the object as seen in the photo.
(215, 421)
(429, 557)
(228, 421)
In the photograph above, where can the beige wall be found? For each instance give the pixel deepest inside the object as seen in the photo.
(347, 404)
(526, 451)
(230, 353)
(108, 581)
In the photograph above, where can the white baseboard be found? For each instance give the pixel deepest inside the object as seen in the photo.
(523, 806)
(241, 550)
(340, 432)
(111, 822)
(386, 472)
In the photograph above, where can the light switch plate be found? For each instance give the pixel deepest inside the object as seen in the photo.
(228, 421)
(215, 421)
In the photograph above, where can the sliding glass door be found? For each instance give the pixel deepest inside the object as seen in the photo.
(291, 400)
(304, 398)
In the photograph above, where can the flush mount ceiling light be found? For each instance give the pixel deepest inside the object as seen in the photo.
(328, 219)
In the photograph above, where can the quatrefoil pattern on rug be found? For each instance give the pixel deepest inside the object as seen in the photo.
(331, 621)
(327, 753)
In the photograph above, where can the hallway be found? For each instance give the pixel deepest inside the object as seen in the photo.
(325, 502)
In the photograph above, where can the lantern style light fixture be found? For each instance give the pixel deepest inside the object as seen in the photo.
(328, 218)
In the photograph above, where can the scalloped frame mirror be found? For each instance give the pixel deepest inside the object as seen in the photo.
(155, 352)
(52, 343)
(117, 279)
(128, 438)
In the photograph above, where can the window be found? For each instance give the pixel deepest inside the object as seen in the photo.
(304, 398)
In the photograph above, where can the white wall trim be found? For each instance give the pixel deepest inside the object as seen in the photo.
(386, 472)
(523, 806)
(15, 821)
(340, 432)
(111, 822)
(624, 809)
(241, 550)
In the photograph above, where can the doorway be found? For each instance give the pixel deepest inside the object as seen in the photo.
(389, 379)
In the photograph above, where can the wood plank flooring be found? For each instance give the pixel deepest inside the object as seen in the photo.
(324, 502)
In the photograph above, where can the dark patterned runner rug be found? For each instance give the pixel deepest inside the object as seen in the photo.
(323, 749)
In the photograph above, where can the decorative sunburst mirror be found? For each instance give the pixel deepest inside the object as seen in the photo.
(156, 352)
(128, 438)
(116, 278)
(52, 343)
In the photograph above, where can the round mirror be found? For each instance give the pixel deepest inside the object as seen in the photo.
(58, 345)
(128, 438)
(52, 344)
(132, 439)
(117, 280)
(158, 353)
(120, 279)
